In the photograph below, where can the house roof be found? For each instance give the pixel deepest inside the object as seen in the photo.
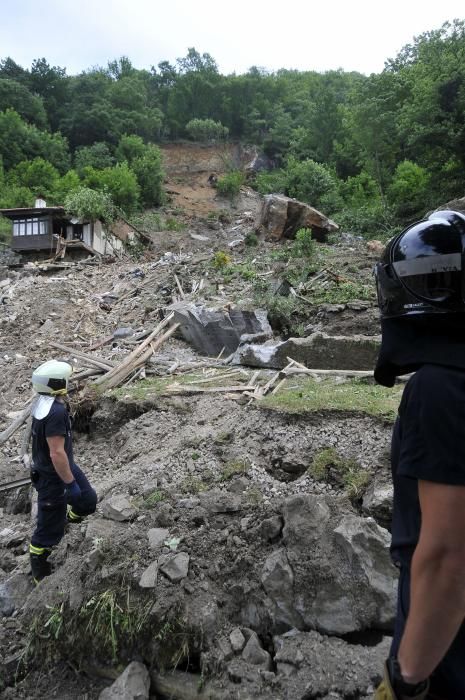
(32, 211)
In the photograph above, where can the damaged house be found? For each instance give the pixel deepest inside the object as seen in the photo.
(46, 232)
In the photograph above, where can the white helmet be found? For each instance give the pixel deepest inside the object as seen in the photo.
(52, 378)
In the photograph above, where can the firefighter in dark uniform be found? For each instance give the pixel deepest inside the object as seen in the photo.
(421, 294)
(64, 493)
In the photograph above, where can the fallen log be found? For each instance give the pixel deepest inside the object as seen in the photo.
(96, 362)
(132, 357)
(120, 374)
(207, 390)
(17, 423)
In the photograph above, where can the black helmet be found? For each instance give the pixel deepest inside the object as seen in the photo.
(423, 268)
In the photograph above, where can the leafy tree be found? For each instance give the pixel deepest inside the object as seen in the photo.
(87, 203)
(21, 141)
(37, 175)
(409, 189)
(14, 95)
(96, 156)
(149, 173)
(51, 84)
(70, 182)
(129, 148)
(120, 182)
(313, 183)
(206, 130)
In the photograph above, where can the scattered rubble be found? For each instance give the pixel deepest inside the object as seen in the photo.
(239, 569)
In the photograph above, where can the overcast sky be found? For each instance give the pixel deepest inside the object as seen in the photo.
(354, 35)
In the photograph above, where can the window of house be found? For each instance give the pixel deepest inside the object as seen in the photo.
(29, 227)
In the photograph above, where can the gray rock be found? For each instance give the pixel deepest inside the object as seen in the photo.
(278, 581)
(270, 529)
(357, 352)
(305, 518)
(366, 546)
(216, 501)
(237, 640)
(176, 567)
(377, 502)
(150, 576)
(254, 654)
(224, 649)
(212, 330)
(14, 593)
(123, 333)
(100, 529)
(282, 217)
(132, 684)
(119, 508)
(157, 536)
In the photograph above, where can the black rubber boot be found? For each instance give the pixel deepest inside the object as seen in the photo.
(40, 566)
(73, 518)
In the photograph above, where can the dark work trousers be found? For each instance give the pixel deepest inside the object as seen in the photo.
(448, 680)
(51, 515)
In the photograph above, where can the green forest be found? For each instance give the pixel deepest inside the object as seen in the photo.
(373, 152)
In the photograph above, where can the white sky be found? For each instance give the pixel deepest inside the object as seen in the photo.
(354, 35)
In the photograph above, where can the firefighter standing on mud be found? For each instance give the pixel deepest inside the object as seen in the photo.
(421, 294)
(64, 493)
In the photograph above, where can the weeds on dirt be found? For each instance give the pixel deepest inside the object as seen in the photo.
(352, 396)
(102, 627)
(152, 499)
(234, 468)
(220, 260)
(192, 484)
(347, 473)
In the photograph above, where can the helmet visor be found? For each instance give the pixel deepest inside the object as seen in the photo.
(436, 279)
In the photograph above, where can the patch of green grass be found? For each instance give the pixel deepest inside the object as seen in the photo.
(195, 456)
(224, 437)
(254, 496)
(328, 466)
(342, 293)
(234, 467)
(355, 395)
(152, 499)
(192, 484)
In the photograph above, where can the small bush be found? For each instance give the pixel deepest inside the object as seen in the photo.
(303, 246)
(234, 468)
(251, 239)
(221, 260)
(230, 185)
(346, 473)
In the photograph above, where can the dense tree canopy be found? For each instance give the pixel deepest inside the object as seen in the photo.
(369, 149)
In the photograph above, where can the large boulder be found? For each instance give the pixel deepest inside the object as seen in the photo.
(212, 330)
(332, 571)
(132, 684)
(282, 217)
(316, 351)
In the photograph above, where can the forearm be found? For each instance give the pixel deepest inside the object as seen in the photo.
(62, 467)
(436, 612)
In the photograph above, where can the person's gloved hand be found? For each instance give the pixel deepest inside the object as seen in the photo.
(73, 492)
(393, 687)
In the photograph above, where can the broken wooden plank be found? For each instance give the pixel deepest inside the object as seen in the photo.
(179, 286)
(181, 389)
(328, 372)
(16, 424)
(124, 370)
(129, 360)
(97, 362)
